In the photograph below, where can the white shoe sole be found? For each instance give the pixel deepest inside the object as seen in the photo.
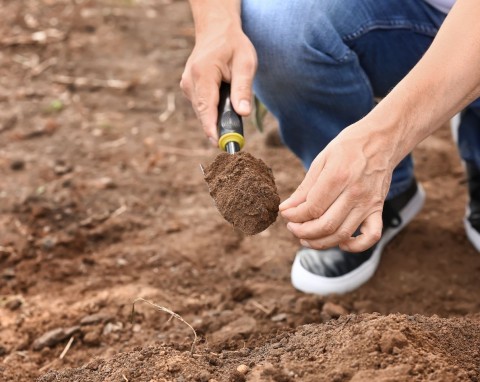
(308, 282)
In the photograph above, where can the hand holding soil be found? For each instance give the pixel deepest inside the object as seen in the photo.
(244, 191)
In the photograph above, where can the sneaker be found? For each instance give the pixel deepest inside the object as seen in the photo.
(335, 271)
(472, 217)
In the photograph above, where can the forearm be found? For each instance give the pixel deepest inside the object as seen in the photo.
(445, 80)
(208, 13)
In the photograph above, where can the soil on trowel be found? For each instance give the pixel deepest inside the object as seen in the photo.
(244, 191)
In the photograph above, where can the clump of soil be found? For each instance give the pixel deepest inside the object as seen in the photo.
(367, 347)
(244, 191)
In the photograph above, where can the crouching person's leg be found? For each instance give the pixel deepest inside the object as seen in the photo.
(313, 77)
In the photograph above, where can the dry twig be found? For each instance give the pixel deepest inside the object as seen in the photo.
(260, 306)
(41, 37)
(93, 83)
(67, 348)
(172, 314)
(170, 108)
(120, 210)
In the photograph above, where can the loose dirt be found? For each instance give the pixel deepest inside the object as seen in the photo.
(354, 348)
(102, 201)
(244, 191)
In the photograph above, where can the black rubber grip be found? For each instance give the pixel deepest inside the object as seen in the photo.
(228, 119)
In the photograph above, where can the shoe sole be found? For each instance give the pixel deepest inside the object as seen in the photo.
(308, 282)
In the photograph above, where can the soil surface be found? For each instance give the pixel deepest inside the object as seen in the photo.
(244, 191)
(102, 201)
(354, 348)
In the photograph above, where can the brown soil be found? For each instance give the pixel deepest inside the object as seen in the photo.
(244, 191)
(354, 348)
(102, 201)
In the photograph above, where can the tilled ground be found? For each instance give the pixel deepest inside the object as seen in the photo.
(102, 201)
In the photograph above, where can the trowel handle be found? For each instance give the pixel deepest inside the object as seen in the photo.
(229, 123)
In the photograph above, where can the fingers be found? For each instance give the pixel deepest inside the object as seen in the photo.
(327, 188)
(243, 72)
(371, 232)
(336, 225)
(300, 194)
(343, 233)
(321, 234)
(205, 101)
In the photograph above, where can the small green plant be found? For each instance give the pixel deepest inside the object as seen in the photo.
(55, 106)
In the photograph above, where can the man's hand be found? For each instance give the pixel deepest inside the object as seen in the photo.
(344, 190)
(347, 183)
(222, 52)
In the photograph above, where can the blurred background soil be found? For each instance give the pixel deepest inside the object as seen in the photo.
(102, 201)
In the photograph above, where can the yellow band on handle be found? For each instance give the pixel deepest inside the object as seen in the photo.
(231, 137)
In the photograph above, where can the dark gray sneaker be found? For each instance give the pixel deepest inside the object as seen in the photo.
(335, 271)
(472, 217)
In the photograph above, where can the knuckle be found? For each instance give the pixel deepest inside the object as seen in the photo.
(314, 210)
(250, 65)
(243, 88)
(196, 70)
(201, 105)
(340, 178)
(328, 227)
(376, 236)
(344, 234)
(185, 86)
(356, 193)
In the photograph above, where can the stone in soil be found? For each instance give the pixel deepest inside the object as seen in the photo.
(244, 191)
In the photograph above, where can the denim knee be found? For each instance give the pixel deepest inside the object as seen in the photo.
(287, 35)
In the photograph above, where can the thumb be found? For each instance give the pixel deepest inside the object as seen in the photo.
(243, 72)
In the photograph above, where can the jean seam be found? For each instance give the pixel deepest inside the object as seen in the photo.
(391, 25)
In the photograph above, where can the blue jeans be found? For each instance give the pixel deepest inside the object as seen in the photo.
(322, 63)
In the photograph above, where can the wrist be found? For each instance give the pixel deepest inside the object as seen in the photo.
(215, 15)
(394, 128)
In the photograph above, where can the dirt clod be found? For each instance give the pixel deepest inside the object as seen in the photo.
(334, 310)
(243, 369)
(244, 191)
(391, 340)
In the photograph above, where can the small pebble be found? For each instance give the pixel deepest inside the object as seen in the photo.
(13, 304)
(112, 327)
(92, 338)
(243, 369)
(105, 183)
(279, 317)
(49, 339)
(334, 310)
(17, 164)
